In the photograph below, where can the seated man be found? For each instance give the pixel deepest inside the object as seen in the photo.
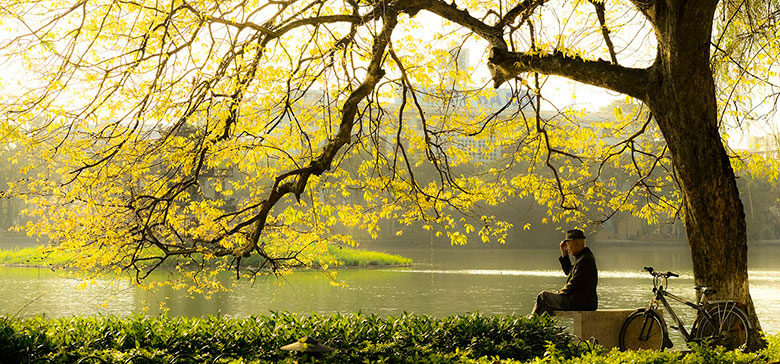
(579, 293)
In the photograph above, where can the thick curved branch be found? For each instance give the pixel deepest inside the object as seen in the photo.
(647, 7)
(325, 19)
(523, 9)
(277, 32)
(322, 163)
(230, 22)
(506, 65)
(494, 35)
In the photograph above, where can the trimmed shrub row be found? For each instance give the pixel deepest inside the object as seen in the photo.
(357, 338)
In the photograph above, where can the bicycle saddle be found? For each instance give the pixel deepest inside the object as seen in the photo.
(707, 290)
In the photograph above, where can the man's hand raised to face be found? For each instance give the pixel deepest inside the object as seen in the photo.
(564, 249)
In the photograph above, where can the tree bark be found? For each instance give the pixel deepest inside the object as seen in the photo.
(683, 101)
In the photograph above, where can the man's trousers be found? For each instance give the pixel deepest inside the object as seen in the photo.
(548, 302)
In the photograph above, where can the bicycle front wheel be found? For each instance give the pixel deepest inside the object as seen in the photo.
(643, 329)
(723, 324)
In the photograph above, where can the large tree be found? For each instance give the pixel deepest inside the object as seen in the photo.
(194, 130)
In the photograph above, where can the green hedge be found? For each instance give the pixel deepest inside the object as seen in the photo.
(697, 355)
(358, 338)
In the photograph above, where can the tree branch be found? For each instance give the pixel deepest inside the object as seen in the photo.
(600, 13)
(494, 35)
(323, 162)
(524, 8)
(506, 65)
(646, 7)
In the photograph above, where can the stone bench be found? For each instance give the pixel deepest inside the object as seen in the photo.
(604, 325)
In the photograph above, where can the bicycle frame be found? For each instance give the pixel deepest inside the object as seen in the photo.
(707, 327)
(661, 294)
(660, 282)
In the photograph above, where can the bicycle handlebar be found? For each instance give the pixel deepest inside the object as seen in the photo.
(659, 274)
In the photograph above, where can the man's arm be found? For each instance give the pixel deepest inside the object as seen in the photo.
(564, 259)
(565, 264)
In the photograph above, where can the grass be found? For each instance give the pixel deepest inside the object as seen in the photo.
(345, 256)
(361, 258)
(34, 256)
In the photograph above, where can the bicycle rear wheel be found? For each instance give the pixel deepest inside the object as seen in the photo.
(723, 324)
(643, 329)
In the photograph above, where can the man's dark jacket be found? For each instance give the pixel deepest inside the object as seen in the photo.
(580, 288)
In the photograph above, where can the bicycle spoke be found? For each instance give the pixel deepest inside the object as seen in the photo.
(642, 330)
(723, 317)
(723, 324)
(644, 335)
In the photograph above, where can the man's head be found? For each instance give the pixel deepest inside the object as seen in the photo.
(575, 241)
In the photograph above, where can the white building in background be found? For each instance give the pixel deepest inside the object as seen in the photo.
(767, 146)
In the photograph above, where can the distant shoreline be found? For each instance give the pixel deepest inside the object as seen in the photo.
(671, 243)
(341, 257)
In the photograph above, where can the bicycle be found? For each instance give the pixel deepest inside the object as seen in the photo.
(718, 323)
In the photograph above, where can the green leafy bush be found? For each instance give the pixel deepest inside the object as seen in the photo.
(358, 338)
(699, 354)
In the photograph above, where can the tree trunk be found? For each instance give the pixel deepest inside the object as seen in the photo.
(684, 104)
(680, 91)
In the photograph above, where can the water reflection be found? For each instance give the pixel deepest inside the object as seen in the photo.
(446, 282)
(553, 273)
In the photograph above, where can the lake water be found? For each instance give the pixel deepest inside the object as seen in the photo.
(443, 282)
